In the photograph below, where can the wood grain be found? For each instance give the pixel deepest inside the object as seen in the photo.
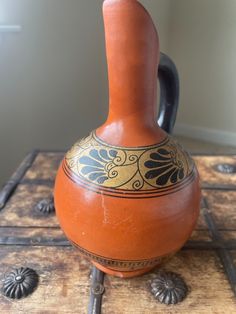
(20, 209)
(64, 284)
(210, 291)
(64, 280)
(45, 166)
(208, 174)
(222, 205)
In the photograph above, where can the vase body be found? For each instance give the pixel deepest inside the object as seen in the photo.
(127, 195)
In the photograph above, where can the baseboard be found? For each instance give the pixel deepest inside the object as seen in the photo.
(206, 134)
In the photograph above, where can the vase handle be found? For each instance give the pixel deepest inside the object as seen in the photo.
(169, 93)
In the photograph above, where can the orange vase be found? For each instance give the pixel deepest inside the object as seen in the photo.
(127, 196)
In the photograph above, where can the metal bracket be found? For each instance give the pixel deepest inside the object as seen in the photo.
(96, 291)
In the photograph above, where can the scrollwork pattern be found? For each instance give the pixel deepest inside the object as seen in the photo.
(133, 169)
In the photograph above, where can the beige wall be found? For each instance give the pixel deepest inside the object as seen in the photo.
(202, 41)
(53, 86)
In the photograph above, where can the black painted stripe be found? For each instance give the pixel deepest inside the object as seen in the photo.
(106, 261)
(99, 140)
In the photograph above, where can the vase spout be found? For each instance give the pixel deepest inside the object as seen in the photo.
(132, 50)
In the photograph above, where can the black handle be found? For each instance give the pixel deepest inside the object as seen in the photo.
(169, 93)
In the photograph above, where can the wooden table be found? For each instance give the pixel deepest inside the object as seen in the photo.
(32, 238)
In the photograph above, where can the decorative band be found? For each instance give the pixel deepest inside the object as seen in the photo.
(127, 194)
(120, 264)
(126, 171)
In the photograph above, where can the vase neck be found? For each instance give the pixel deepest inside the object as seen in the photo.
(132, 49)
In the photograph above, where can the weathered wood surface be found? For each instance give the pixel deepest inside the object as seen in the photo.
(64, 280)
(64, 284)
(223, 207)
(210, 177)
(45, 166)
(210, 292)
(20, 210)
(32, 239)
(16, 177)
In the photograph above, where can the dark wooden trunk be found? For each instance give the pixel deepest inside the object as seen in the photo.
(31, 238)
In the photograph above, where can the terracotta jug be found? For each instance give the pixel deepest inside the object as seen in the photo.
(127, 195)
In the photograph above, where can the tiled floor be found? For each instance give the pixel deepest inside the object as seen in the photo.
(196, 146)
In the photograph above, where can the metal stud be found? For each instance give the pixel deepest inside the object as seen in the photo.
(225, 168)
(169, 288)
(20, 282)
(46, 206)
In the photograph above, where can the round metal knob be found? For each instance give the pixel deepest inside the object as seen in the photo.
(20, 282)
(46, 206)
(226, 168)
(169, 288)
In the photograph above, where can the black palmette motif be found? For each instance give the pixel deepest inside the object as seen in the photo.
(165, 167)
(95, 164)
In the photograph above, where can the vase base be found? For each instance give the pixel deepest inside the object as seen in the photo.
(124, 274)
